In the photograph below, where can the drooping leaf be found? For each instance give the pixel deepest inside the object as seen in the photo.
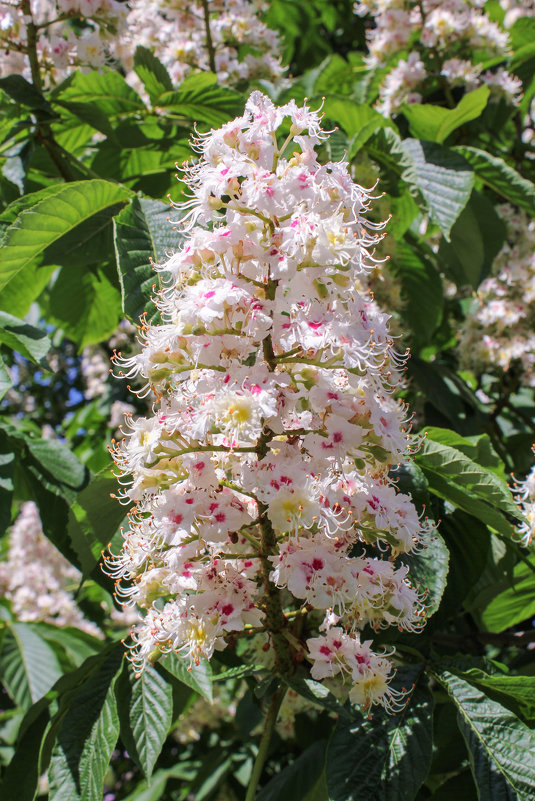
(46, 222)
(456, 478)
(29, 666)
(442, 177)
(7, 470)
(26, 339)
(429, 569)
(513, 600)
(517, 693)
(198, 677)
(87, 733)
(501, 747)
(386, 758)
(145, 705)
(422, 289)
(94, 518)
(476, 239)
(298, 779)
(143, 236)
(25, 93)
(500, 177)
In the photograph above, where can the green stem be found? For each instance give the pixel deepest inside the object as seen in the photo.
(263, 748)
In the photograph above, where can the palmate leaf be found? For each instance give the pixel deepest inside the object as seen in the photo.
(501, 747)
(386, 758)
(87, 732)
(40, 226)
(145, 706)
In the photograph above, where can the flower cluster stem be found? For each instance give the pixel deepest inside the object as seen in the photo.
(263, 748)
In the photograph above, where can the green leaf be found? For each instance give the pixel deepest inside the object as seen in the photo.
(5, 383)
(359, 121)
(443, 179)
(25, 93)
(500, 177)
(456, 478)
(29, 666)
(198, 677)
(468, 542)
(422, 289)
(318, 694)
(25, 287)
(436, 123)
(106, 88)
(476, 239)
(152, 73)
(517, 693)
(143, 235)
(501, 747)
(58, 461)
(85, 304)
(22, 774)
(30, 342)
(145, 704)
(386, 758)
(94, 518)
(429, 568)
(87, 734)
(37, 228)
(513, 601)
(299, 778)
(202, 99)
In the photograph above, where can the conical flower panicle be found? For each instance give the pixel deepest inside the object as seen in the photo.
(265, 466)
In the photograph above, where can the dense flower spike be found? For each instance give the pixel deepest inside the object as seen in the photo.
(226, 36)
(499, 330)
(261, 484)
(525, 497)
(37, 580)
(441, 44)
(66, 34)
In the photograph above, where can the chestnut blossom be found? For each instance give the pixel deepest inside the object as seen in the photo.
(37, 580)
(441, 38)
(263, 471)
(498, 330)
(175, 31)
(62, 43)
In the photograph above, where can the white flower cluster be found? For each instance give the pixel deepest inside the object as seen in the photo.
(500, 326)
(37, 580)
(244, 48)
(263, 475)
(441, 38)
(525, 498)
(60, 45)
